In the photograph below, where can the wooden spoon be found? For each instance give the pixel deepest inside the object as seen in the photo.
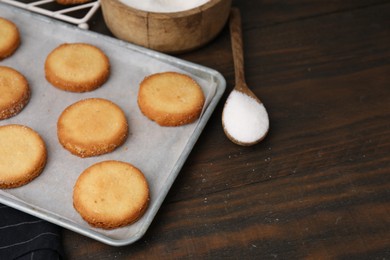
(244, 118)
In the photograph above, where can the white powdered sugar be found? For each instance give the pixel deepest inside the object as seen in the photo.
(164, 6)
(245, 119)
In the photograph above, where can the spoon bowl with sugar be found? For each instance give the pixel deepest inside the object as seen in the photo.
(244, 118)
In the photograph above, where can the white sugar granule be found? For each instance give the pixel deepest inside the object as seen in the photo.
(245, 119)
(164, 6)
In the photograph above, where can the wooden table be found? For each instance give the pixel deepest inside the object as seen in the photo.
(318, 186)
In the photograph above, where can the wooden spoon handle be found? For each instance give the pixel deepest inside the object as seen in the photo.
(237, 45)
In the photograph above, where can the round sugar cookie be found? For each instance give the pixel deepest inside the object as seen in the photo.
(170, 98)
(14, 92)
(111, 194)
(77, 67)
(92, 127)
(22, 155)
(9, 38)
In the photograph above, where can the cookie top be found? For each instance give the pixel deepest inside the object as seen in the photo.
(92, 127)
(111, 194)
(14, 92)
(77, 67)
(9, 38)
(170, 98)
(22, 155)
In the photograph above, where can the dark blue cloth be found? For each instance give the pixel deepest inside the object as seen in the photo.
(23, 236)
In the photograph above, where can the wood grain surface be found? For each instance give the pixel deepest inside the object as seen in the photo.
(318, 186)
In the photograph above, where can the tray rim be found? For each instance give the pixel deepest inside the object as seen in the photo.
(200, 125)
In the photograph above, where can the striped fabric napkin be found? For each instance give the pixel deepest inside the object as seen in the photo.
(23, 236)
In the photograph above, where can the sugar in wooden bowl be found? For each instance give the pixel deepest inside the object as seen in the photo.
(170, 26)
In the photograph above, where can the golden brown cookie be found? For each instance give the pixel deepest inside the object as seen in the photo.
(22, 155)
(14, 92)
(9, 38)
(111, 194)
(77, 67)
(92, 127)
(170, 98)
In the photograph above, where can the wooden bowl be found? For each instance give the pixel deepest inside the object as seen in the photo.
(166, 32)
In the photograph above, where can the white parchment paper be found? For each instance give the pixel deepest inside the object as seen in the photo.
(158, 152)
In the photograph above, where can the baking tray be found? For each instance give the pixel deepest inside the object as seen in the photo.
(159, 152)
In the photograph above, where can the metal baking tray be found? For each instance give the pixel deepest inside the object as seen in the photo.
(159, 152)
